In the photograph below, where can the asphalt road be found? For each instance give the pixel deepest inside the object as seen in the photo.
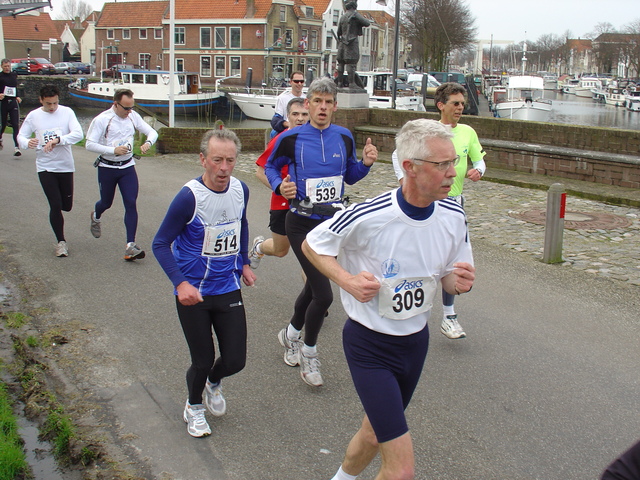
(546, 385)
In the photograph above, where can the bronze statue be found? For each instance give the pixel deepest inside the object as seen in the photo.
(349, 29)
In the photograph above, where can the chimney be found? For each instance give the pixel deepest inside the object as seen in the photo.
(251, 9)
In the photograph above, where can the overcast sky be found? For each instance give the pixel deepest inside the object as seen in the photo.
(510, 19)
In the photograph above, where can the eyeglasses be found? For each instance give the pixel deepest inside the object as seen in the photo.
(457, 104)
(442, 166)
(125, 108)
(297, 81)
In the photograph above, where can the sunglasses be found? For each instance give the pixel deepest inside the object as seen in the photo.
(297, 81)
(125, 108)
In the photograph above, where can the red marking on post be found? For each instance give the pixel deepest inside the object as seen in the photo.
(563, 204)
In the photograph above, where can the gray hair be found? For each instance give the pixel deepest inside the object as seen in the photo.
(322, 86)
(5, 60)
(411, 140)
(294, 101)
(224, 135)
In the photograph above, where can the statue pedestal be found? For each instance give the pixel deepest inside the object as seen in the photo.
(352, 98)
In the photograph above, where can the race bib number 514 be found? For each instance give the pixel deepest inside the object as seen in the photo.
(404, 298)
(221, 240)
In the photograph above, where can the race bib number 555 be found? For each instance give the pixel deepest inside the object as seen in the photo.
(404, 298)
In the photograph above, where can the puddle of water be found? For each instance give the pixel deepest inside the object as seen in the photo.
(38, 454)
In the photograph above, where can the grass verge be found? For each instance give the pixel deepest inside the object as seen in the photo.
(13, 463)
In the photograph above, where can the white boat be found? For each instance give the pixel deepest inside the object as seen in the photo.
(570, 86)
(633, 100)
(524, 100)
(379, 84)
(150, 89)
(586, 85)
(260, 105)
(615, 95)
(550, 81)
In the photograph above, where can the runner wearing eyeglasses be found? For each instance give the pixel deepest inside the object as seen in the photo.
(111, 135)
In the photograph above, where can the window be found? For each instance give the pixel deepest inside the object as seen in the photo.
(179, 40)
(151, 79)
(278, 67)
(329, 42)
(110, 34)
(205, 66)
(234, 65)
(126, 34)
(144, 60)
(288, 38)
(277, 40)
(314, 40)
(157, 33)
(205, 37)
(234, 37)
(309, 12)
(143, 33)
(220, 41)
(336, 17)
(283, 13)
(179, 64)
(221, 66)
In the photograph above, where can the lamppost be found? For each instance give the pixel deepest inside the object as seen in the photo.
(396, 45)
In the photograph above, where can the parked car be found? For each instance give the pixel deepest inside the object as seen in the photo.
(108, 72)
(404, 87)
(20, 68)
(83, 68)
(41, 66)
(66, 68)
(402, 74)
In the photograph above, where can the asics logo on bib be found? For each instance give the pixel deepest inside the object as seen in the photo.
(226, 233)
(404, 285)
(324, 184)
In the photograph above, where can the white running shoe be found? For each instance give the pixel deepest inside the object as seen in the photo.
(197, 425)
(61, 249)
(96, 226)
(133, 252)
(214, 400)
(451, 328)
(254, 256)
(310, 369)
(291, 348)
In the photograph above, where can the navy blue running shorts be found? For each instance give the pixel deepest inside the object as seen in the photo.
(385, 370)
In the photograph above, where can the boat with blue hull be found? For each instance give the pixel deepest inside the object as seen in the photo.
(151, 90)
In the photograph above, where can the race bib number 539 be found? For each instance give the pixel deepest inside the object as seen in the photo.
(404, 298)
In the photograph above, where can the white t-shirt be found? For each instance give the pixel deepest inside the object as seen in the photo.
(408, 257)
(282, 101)
(47, 126)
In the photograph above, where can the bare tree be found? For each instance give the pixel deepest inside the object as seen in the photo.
(436, 28)
(599, 29)
(633, 47)
(71, 9)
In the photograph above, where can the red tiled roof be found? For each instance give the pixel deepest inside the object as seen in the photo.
(132, 14)
(194, 9)
(29, 27)
(380, 17)
(319, 7)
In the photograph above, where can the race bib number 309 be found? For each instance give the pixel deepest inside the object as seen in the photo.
(403, 298)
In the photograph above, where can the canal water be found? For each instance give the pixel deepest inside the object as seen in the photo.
(567, 109)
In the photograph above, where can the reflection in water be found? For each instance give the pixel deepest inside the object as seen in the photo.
(584, 111)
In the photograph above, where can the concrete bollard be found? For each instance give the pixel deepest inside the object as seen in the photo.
(554, 227)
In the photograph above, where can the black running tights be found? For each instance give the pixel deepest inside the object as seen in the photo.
(58, 188)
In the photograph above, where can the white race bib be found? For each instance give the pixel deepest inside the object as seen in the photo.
(324, 190)
(127, 142)
(221, 240)
(45, 136)
(402, 298)
(10, 91)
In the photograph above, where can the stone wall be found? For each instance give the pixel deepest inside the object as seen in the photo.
(187, 140)
(30, 87)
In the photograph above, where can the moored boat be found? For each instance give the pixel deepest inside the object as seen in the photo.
(633, 100)
(615, 95)
(570, 85)
(150, 89)
(524, 100)
(586, 85)
(260, 106)
(379, 84)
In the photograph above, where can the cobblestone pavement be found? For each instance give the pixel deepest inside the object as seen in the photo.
(607, 252)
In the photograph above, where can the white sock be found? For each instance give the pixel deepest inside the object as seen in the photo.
(307, 350)
(448, 310)
(258, 249)
(94, 218)
(292, 333)
(341, 475)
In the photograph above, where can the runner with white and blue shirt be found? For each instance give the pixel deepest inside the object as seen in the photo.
(207, 225)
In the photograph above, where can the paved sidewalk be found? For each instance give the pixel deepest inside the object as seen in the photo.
(607, 243)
